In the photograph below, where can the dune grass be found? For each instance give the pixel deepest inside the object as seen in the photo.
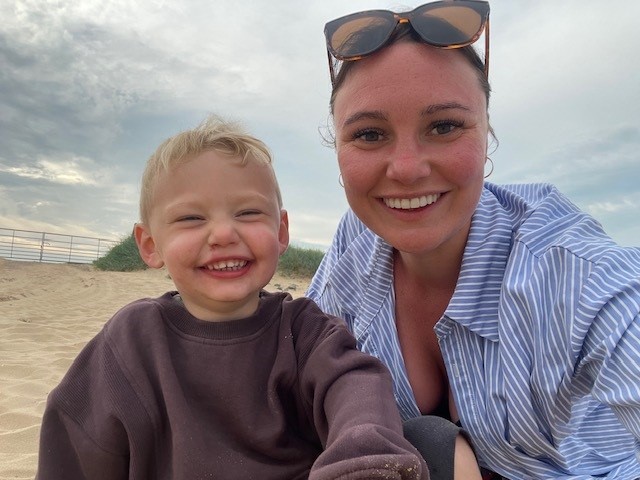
(300, 262)
(124, 257)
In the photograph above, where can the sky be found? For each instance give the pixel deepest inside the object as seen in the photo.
(88, 89)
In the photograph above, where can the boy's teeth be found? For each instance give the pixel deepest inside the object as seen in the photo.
(227, 265)
(409, 203)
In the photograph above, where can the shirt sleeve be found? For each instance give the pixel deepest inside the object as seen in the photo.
(611, 348)
(317, 289)
(81, 436)
(618, 382)
(334, 285)
(350, 397)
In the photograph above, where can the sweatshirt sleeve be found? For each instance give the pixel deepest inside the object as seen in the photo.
(353, 408)
(81, 436)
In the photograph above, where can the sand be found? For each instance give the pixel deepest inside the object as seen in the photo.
(48, 312)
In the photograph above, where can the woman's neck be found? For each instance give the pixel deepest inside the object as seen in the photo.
(437, 269)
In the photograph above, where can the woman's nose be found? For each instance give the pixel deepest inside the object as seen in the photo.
(408, 163)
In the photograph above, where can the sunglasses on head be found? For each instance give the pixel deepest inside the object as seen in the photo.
(443, 24)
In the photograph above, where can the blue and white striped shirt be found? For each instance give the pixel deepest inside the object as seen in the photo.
(541, 339)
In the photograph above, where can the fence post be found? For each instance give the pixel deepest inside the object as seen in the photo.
(70, 248)
(13, 239)
(42, 246)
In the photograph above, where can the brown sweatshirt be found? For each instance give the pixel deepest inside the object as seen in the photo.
(283, 394)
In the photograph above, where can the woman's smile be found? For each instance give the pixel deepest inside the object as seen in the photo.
(411, 203)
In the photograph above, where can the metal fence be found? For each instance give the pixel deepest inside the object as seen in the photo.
(51, 247)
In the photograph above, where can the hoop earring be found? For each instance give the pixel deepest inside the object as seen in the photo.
(490, 171)
(340, 182)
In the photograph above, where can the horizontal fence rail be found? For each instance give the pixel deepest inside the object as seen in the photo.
(51, 247)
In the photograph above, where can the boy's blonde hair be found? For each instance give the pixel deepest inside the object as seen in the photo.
(213, 134)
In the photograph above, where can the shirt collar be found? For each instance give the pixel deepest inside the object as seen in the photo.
(476, 298)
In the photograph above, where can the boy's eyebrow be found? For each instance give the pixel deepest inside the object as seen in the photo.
(248, 196)
(236, 197)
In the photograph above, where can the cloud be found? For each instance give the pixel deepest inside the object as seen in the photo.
(89, 89)
(606, 159)
(603, 208)
(71, 171)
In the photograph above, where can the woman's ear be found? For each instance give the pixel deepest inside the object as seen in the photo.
(147, 246)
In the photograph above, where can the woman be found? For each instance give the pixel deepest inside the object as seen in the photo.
(505, 309)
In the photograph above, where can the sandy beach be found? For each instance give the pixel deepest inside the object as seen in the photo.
(48, 312)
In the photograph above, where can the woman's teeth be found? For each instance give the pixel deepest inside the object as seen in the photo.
(409, 203)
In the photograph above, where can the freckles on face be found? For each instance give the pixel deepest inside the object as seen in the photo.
(411, 137)
(410, 97)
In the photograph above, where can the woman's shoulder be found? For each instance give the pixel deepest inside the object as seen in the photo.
(546, 222)
(352, 231)
(525, 198)
(353, 247)
(357, 261)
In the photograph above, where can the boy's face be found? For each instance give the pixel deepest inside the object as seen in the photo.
(217, 227)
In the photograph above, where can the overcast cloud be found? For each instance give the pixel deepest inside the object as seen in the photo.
(89, 89)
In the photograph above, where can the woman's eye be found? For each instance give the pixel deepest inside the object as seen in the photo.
(443, 128)
(368, 135)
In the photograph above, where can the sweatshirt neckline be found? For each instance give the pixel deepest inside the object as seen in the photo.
(175, 314)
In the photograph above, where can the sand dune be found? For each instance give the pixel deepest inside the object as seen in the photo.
(47, 314)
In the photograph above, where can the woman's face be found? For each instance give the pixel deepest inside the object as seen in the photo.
(411, 136)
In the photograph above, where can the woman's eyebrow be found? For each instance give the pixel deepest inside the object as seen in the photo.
(380, 115)
(431, 109)
(365, 115)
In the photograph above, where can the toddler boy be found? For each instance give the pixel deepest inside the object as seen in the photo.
(221, 379)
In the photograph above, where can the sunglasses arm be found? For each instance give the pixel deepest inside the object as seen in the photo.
(486, 49)
(331, 71)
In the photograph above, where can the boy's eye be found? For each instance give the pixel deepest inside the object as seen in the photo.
(246, 213)
(188, 218)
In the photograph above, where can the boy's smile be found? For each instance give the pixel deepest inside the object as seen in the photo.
(227, 266)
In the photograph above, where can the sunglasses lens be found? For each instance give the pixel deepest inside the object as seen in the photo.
(359, 34)
(448, 25)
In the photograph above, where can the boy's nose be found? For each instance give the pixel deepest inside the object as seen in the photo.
(221, 234)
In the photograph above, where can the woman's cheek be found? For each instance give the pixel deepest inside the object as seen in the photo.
(468, 164)
(355, 164)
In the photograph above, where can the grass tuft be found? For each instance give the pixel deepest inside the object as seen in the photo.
(300, 262)
(123, 257)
